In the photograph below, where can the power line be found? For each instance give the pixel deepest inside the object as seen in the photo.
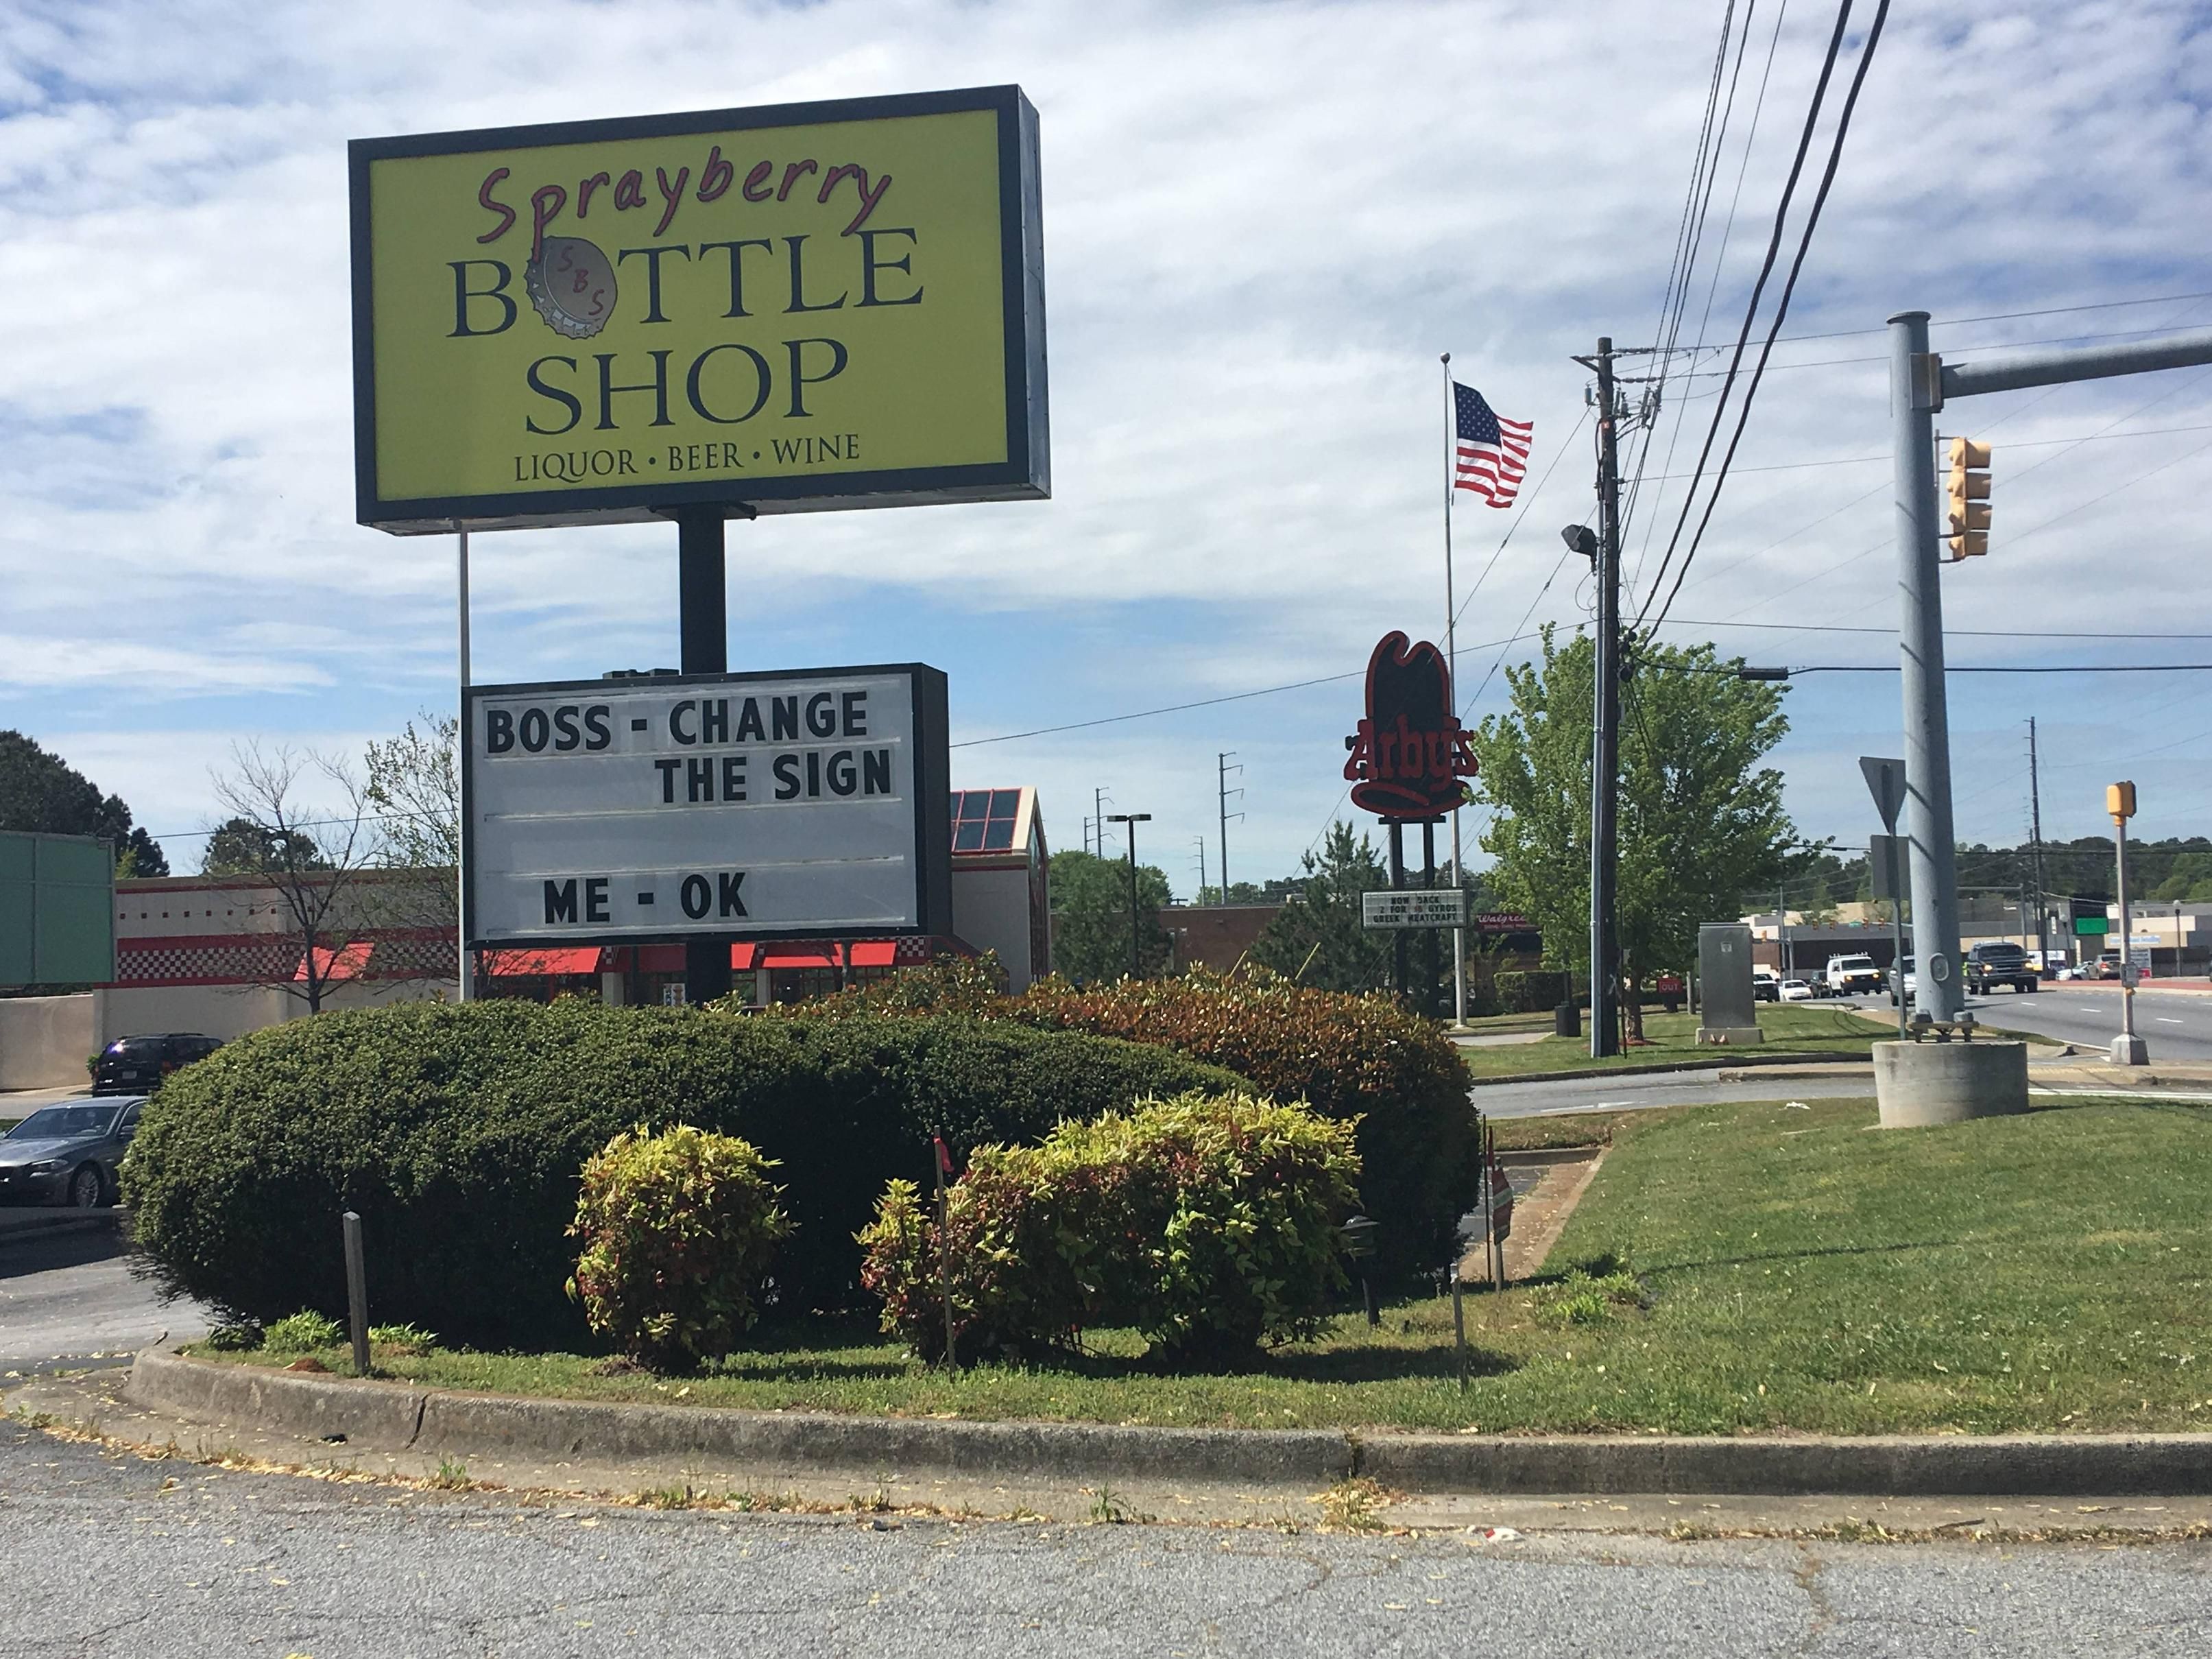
(2012, 316)
(1712, 288)
(2012, 668)
(1208, 703)
(1845, 362)
(1782, 307)
(1759, 288)
(2106, 435)
(1705, 162)
(1949, 633)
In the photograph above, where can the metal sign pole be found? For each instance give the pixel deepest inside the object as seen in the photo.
(704, 628)
(464, 965)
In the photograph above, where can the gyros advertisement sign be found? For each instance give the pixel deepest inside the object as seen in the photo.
(798, 307)
(722, 805)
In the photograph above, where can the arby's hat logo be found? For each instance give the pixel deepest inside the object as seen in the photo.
(1409, 754)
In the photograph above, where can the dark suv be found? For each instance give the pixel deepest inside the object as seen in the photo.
(136, 1065)
(2000, 964)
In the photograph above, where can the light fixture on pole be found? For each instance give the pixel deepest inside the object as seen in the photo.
(1133, 819)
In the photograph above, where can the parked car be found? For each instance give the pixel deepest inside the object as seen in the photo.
(67, 1152)
(2000, 963)
(1797, 990)
(1852, 976)
(2107, 966)
(136, 1065)
(1765, 985)
(1903, 977)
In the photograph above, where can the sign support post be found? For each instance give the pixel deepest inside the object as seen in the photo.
(704, 628)
(1430, 966)
(464, 966)
(1398, 886)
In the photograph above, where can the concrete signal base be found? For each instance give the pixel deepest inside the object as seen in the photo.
(1918, 1084)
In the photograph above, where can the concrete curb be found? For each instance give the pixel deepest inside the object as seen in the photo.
(1720, 1056)
(2121, 1077)
(23, 1227)
(391, 1417)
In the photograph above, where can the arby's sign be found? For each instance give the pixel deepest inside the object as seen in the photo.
(1410, 752)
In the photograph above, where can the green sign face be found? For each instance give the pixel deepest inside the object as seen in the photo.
(2085, 927)
(57, 910)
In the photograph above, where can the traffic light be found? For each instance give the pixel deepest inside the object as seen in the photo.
(1966, 523)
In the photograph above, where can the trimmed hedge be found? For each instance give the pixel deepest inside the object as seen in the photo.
(1206, 1223)
(1348, 1057)
(459, 1132)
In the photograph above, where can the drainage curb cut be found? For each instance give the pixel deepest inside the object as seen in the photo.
(389, 1417)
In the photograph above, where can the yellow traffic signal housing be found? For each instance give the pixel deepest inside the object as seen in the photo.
(2120, 801)
(1966, 518)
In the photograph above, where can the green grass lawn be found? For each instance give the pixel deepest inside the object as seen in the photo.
(1790, 1271)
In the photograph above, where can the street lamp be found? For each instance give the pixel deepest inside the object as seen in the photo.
(1133, 819)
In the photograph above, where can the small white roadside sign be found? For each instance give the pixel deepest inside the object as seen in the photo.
(1436, 906)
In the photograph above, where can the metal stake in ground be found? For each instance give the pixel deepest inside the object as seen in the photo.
(945, 1245)
(357, 1290)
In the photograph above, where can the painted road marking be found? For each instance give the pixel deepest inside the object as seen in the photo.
(2167, 1020)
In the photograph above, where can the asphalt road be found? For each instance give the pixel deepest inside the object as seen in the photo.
(1626, 1094)
(69, 1296)
(2174, 1025)
(103, 1553)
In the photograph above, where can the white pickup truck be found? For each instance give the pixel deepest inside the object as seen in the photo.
(1851, 976)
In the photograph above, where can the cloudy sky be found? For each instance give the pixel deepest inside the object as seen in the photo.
(1262, 225)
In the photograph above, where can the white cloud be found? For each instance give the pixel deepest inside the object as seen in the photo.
(1263, 224)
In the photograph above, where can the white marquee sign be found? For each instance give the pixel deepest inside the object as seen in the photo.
(724, 805)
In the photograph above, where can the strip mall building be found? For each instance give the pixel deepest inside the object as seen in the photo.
(220, 954)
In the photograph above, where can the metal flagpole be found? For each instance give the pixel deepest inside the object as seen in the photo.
(1451, 659)
(464, 968)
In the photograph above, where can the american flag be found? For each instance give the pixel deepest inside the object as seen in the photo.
(1492, 454)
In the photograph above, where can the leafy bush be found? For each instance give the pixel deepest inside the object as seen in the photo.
(1535, 991)
(458, 1131)
(678, 1229)
(1351, 1058)
(403, 1339)
(303, 1332)
(233, 1338)
(1206, 1222)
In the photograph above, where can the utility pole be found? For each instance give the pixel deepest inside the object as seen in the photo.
(1605, 740)
(1098, 817)
(1198, 841)
(1222, 768)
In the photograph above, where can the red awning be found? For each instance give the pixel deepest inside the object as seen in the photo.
(745, 958)
(345, 961)
(561, 959)
(859, 953)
